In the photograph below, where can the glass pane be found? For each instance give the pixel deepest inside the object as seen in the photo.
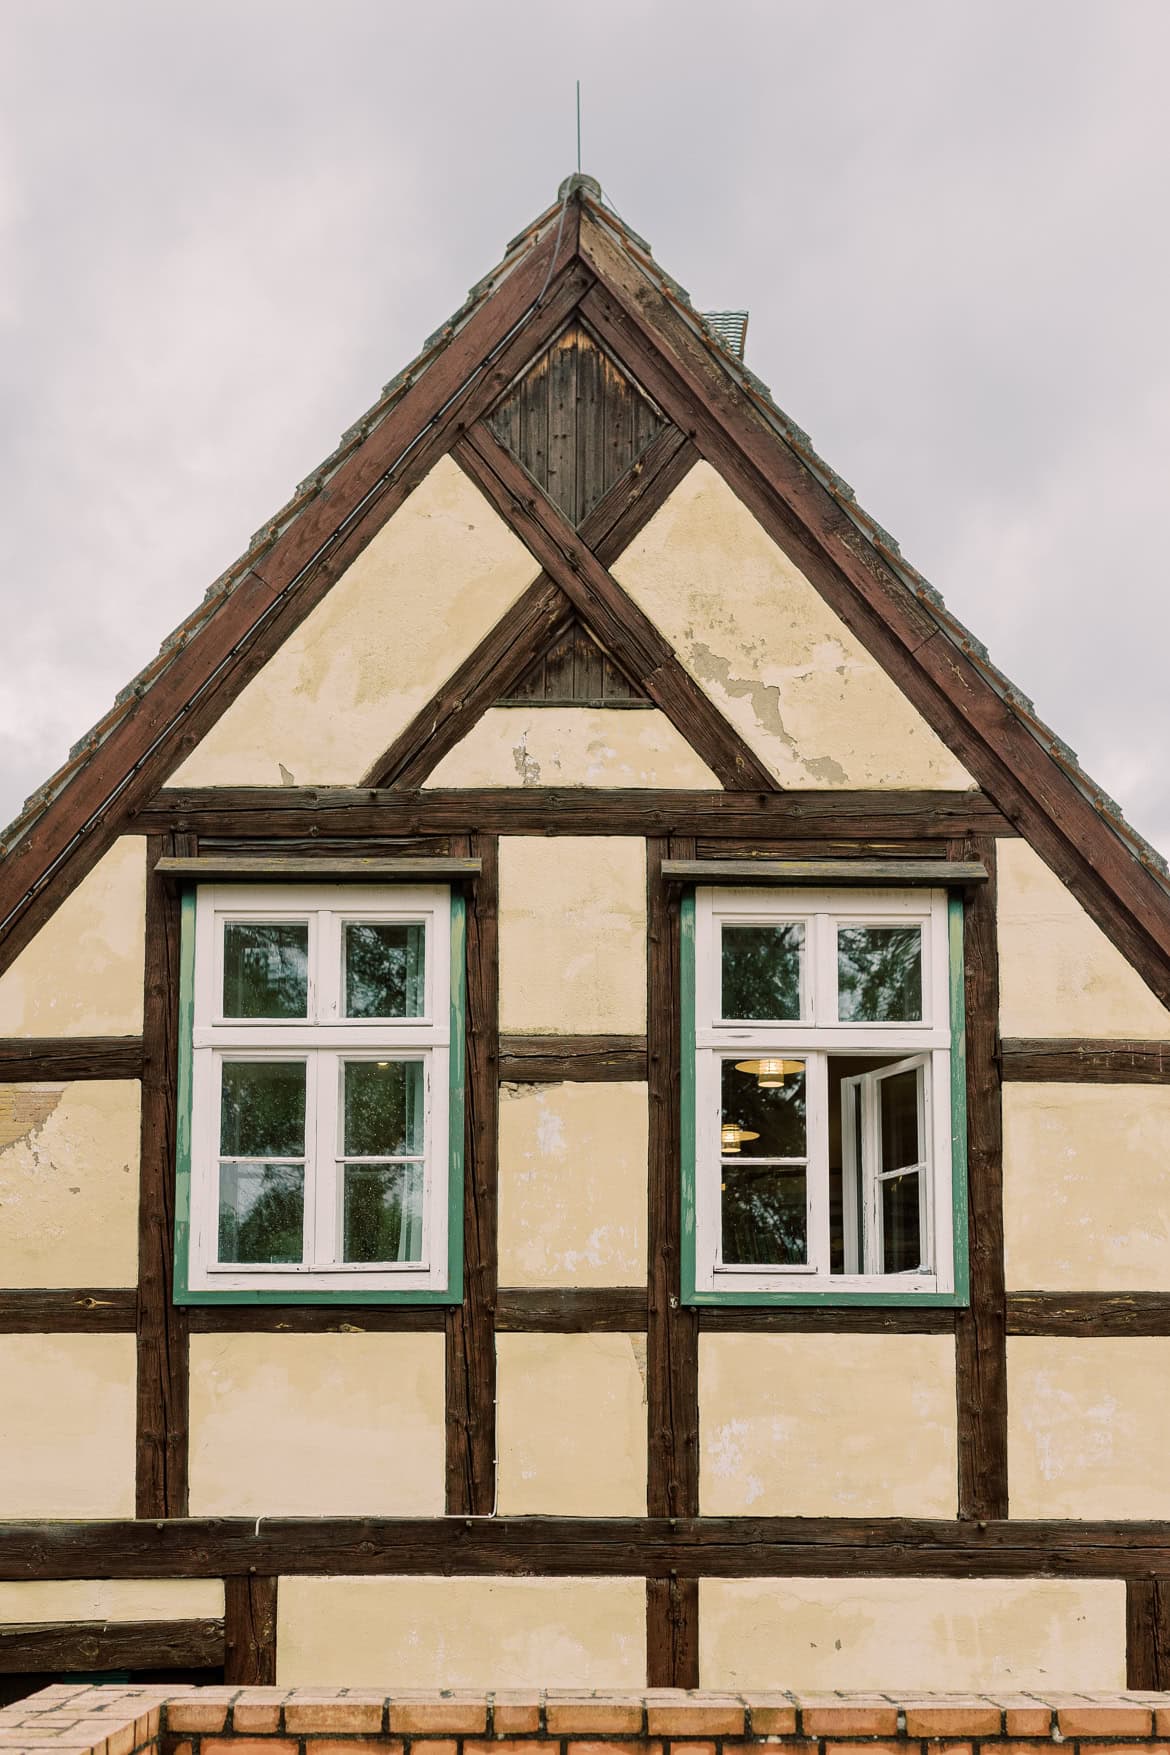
(764, 1211)
(383, 1108)
(383, 1212)
(266, 969)
(261, 1212)
(899, 1107)
(384, 970)
(879, 974)
(776, 1115)
(761, 971)
(901, 1243)
(262, 1113)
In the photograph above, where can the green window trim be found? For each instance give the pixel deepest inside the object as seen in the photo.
(453, 1292)
(956, 1300)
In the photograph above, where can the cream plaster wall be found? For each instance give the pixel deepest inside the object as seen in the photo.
(317, 1425)
(1086, 1173)
(423, 593)
(572, 933)
(571, 1424)
(1058, 973)
(67, 1411)
(911, 1633)
(112, 1599)
(573, 746)
(69, 1183)
(462, 1632)
(573, 1185)
(1089, 1427)
(764, 645)
(827, 1425)
(82, 974)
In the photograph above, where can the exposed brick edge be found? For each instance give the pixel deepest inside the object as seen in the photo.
(70, 1719)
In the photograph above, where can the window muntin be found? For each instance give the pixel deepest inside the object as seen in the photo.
(320, 1087)
(863, 1204)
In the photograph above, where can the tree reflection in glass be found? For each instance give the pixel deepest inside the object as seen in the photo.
(261, 1200)
(384, 969)
(761, 968)
(383, 1117)
(879, 974)
(261, 1212)
(266, 969)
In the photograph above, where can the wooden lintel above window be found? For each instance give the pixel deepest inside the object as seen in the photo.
(239, 867)
(928, 873)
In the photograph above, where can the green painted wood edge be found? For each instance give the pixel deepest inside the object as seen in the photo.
(956, 1300)
(453, 1293)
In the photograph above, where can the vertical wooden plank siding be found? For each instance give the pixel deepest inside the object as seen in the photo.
(981, 1330)
(161, 1438)
(672, 1333)
(471, 1341)
(249, 1630)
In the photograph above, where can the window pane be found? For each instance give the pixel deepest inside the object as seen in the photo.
(261, 1212)
(384, 970)
(764, 1210)
(383, 1108)
(266, 969)
(262, 1114)
(899, 1107)
(383, 1212)
(901, 1242)
(776, 1115)
(879, 974)
(761, 971)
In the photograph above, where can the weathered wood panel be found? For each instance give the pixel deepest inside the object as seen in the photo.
(249, 1630)
(1083, 1061)
(80, 1646)
(543, 1060)
(31, 1059)
(1147, 1633)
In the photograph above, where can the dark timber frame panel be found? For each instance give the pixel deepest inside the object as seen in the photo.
(1078, 1060)
(80, 1646)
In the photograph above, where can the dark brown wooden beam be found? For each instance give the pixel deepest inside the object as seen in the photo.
(981, 1329)
(833, 1319)
(691, 1547)
(840, 872)
(98, 1310)
(315, 1319)
(608, 612)
(279, 812)
(1082, 1060)
(543, 1060)
(81, 1646)
(31, 1059)
(1147, 1633)
(471, 1344)
(573, 1310)
(161, 1438)
(249, 1630)
(1088, 1313)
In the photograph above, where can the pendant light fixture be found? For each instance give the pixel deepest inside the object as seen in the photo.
(769, 1072)
(731, 1135)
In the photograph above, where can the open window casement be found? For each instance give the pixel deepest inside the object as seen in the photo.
(320, 1118)
(823, 1112)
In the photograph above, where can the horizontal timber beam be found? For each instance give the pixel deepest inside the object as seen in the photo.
(33, 1059)
(656, 1547)
(1088, 1313)
(80, 1646)
(1082, 1060)
(542, 1060)
(108, 1310)
(283, 811)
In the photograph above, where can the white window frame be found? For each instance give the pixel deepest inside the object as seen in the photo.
(325, 1039)
(814, 1038)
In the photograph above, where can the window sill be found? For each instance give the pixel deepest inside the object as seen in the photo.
(827, 1300)
(341, 1297)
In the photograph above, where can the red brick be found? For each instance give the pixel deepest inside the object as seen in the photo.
(197, 1715)
(249, 1746)
(975, 1718)
(256, 1715)
(690, 1748)
(849, 1718)
(434, 1746)
(1128, 1749)
(354, 1746)
(1107, 1719)
(515, 1714)
(607, 1748)
(182, 1749)
(459, 1717)
(772, 1715)
(597, 1717)
(508, 1746)
(706, 1715)
(1019, 1748)
(903, 1747)
(1162, 1720)
(308, 1716)
(1027, 1721)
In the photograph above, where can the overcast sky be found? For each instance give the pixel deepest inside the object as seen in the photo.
(225, 223)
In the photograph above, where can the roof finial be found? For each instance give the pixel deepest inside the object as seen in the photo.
(579, 180)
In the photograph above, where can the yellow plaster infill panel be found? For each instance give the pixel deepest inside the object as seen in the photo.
(317, 1425)
(1089, 1427)
(571, 1423)
(572, 934)
(421, 596)
(574, 746)
(68, 1177)
(112, 1599)
(1058, 973)
(573, 1185)
(587, 1633)
(962, 1635)
(1086, 1183)
(82, 973)
(827, 1425)
(766, 648)
(67, 1410)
